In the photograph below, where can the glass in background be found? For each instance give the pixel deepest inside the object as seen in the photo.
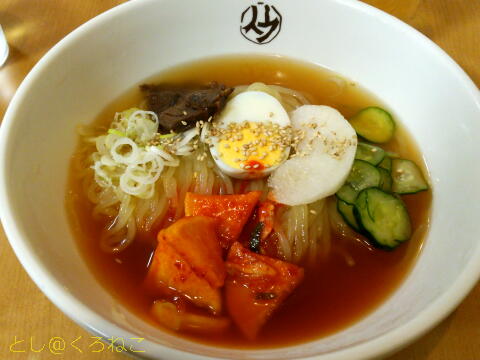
(3, 47)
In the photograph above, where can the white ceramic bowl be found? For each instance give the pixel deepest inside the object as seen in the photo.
(100, 60)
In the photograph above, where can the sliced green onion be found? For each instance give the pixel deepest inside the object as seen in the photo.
(116, 132)
(166, 136)
(255, 238)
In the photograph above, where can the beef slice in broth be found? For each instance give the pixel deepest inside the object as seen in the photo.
(178, 109)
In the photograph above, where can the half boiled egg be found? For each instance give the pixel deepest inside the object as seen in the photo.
(251, 136)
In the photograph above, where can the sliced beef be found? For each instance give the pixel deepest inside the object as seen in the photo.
(179, 109)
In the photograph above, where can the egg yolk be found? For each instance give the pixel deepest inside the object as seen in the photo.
(254, 146)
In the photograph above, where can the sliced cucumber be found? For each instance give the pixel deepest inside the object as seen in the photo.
(346, 210)
(347, 193)
(362, 175)
(369, 153)
(407, 177)
(386, 180)
(386, 163)
(392, 155)
(374, 124)
(383, 217)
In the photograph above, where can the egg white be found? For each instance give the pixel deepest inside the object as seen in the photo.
(254, 107)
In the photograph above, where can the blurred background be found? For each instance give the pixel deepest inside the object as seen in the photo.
(27, 318)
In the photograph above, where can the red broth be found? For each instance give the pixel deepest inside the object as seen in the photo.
(335, 294)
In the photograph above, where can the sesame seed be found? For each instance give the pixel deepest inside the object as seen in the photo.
(313, 212)
(184, 123)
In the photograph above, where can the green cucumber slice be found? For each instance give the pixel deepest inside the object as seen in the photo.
(383, 217)
(362, 175)
(347, 194)
(407, 177)
(386, 163)
(346, 210)
(374, 124)
(369, 153)
(386, 180)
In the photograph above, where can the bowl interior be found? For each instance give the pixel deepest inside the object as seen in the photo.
(94, 65)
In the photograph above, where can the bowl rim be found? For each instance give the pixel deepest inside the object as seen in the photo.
(385, 344)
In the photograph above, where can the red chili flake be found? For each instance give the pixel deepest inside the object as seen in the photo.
(254, 165)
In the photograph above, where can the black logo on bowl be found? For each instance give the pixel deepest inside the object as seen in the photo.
(261, 23)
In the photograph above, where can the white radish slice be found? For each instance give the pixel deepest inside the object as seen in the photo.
(323, 158)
